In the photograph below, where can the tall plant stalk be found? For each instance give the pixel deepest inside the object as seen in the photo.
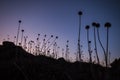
(95, 44)
(98, 35)
(79, 33)
(89, 42)
(22, 36)
(18, 31)
(107, 25)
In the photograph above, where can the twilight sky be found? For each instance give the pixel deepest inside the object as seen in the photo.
(60, 18)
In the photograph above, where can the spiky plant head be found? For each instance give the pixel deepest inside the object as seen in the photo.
(89, 41)
(94, 24)
(37, 38)
(22, 30)
(67, 41)
(51, 35)
(43, 39)
(80, 13)
(19, 21)
(56, 37)
(32, 41)
(87, 27)
(107, 25)
(45, 35)
(38, 34)
(66, 45)
(97, 25)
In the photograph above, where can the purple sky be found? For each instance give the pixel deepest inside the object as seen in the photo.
(60, 18)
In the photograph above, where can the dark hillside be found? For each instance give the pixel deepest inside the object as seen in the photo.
(17, 64)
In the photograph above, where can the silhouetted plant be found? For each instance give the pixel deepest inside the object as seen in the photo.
(8, 37)
(38, 35)
(109, 57)
(95, 44)
(30, 44)
(38, 45)
(67, 51)
(14, 39)
(43, 45)
(47, 41)
(18, 31)
(107, 25)
(25, 42)
(22, 36)
(98, 35)
(89, 42)
(79, 33)
(56, 37)
(48, 52)
(57, 52)
(62, 52)
(54, 49)
(52, 42)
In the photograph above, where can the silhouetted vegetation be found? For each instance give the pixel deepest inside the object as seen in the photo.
(79, 51)
(17, 64)
(39, 60)
(96, 51)
(89, 44)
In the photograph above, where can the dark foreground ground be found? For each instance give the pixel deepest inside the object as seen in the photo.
(29, 67)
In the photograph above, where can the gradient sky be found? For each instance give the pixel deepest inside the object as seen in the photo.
(60, 18)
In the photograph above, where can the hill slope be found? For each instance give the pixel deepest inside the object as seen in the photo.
(17, 64)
